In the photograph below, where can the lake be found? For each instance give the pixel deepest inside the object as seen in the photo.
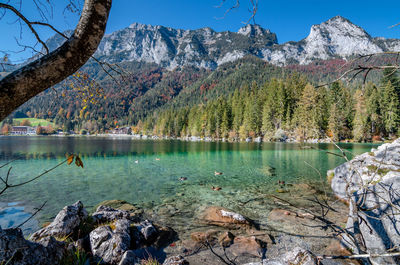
(147, 173)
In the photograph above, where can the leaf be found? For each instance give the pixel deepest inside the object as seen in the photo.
(78, 162)
(70, 159)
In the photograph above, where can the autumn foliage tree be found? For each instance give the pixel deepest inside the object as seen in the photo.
(28, 81)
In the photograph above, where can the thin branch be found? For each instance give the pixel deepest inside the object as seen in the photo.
(37, 210)
(27, 22)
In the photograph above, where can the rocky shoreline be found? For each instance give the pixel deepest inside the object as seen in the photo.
(299, 229)
(121, 233)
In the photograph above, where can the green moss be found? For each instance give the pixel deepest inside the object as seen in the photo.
(380, 171)
(330, 176)
(119, 205)
(371, 153)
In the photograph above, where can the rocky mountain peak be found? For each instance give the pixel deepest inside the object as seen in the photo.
(342, 26)
(253, 30)
(337, 37)
(171, 48)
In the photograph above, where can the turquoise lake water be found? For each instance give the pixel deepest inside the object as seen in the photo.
(147, 172)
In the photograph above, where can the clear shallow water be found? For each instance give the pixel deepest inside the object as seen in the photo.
(110, 171)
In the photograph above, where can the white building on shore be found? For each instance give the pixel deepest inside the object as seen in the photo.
(23, 130)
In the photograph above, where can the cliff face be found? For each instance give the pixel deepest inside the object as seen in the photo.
(168, 47)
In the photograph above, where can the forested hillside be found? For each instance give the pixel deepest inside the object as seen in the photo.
(245, 98)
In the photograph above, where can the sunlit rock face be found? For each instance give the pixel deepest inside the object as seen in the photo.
(372, 181)
(206, 48)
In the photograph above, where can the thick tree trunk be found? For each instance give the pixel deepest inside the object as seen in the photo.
(28, 81)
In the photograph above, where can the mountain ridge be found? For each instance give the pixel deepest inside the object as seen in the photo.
(335, 38)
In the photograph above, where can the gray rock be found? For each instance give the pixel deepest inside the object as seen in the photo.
(175, 260)
(366, 169)
(148, 231)
(379, 219)
(109, 246)
(129, 258)
(65, 223)
(107, 214)
(15, 248)
(372, 180)
(295, 256)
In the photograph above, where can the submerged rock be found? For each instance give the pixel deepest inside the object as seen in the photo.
(19, 251)
(222, 217)
(226, 239)
(65, 223)
(247, 246)
(291, 257)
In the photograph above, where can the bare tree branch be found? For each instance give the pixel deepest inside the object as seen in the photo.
(27, 22)
(28, 81)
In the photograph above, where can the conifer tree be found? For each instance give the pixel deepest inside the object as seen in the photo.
(309, 117)
(390, 107)
(373, 105)
(360, 123)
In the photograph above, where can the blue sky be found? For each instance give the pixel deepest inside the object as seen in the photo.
(290, 19)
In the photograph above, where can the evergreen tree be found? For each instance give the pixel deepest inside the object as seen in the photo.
(373, 104)
(309, 117)
(360, 123)
(391, 75)
(335, 122)
(390, 108)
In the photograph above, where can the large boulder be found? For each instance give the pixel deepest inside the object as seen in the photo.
(371, 181)
(134, 211)
(19, 251)
(65, 223)
(366, 169)
(379, 219)
(223, 217)
(147, 230)
(105, 214)
(129, 258)
(108, 245)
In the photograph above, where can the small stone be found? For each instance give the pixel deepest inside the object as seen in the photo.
(175, 260)
(203, 237)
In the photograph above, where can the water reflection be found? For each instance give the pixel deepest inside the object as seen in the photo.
(111, 171)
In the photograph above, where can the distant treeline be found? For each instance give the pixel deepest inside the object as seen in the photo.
(245, 98)
(288, 108)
